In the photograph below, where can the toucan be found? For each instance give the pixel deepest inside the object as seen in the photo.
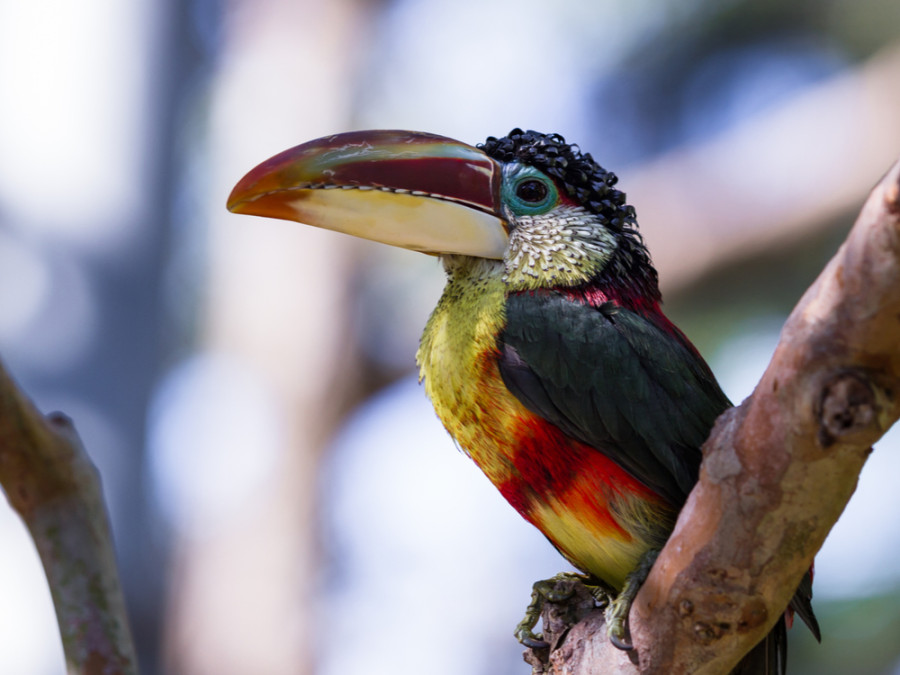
(548, 358)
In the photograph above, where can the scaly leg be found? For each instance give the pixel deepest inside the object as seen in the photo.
(550, 590)
(617, 611)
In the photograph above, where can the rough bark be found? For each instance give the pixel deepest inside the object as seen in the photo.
(50, 481)
(778, 471)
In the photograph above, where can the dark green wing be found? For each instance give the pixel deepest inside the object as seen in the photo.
(616, 381)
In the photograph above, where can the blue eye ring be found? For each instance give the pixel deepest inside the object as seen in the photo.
(527, 191)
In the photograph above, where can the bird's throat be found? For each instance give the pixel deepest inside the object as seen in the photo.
(457, 362)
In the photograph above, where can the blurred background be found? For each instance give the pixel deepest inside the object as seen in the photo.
(283, 499)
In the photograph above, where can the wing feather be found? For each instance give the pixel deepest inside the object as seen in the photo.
(616, 380)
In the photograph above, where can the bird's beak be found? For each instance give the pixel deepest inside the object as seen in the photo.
(410, 189)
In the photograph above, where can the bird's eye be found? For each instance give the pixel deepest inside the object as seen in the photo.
(527, 191)
(531, 191)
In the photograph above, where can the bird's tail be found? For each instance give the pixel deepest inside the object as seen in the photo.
(769, 657)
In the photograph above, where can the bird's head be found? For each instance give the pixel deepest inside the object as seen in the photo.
(549, 212)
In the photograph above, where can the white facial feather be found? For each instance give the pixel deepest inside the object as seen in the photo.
(565, 247)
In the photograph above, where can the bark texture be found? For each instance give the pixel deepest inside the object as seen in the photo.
(50, 481)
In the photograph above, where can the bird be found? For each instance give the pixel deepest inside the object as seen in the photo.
(548, 358)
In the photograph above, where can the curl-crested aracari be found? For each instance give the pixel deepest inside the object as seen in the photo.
(547, 358)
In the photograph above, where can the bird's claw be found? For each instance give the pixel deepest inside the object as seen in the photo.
(617, 624)
(617, 606)
(546, 590)
(527, 637)
(525, 630)
(618, 610)
(603, 595)
(620, 644)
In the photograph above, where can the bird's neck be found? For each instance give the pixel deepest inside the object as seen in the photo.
(600, 291)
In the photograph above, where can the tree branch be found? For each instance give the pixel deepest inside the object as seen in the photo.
(778, 470)
(50, 481)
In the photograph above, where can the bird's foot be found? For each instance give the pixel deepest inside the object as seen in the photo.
(557, 589)
(617, 611)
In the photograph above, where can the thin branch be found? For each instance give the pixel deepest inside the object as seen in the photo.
(50, 481)
(778, 470)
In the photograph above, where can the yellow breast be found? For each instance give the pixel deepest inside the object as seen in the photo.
(457, 362)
